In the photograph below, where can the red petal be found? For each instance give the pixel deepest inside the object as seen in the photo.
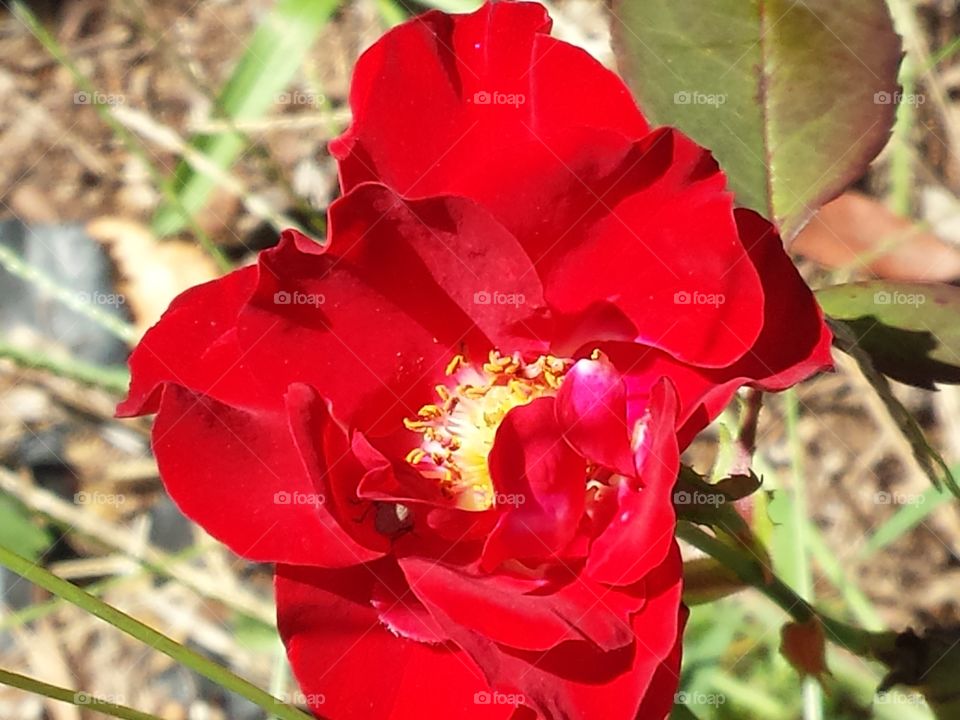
(202, 319)
(782, 356)
(640, 534)
(575, 681)
(439, 257)
(666, 253)
(351, 666)
(376, 362)
(240, 474)
(420, 121)
(531, 463)
(592, 411)
(494, 607)
(661, 695)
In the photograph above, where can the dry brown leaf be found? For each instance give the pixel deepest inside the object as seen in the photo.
(152, 273)
(856, 232)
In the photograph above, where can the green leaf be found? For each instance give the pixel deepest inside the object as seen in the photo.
(18, 530)
(793, 98)
(927, 457)
(274, 54)
(682, 712)
(911, 331)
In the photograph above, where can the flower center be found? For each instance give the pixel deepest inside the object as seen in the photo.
(458, 432)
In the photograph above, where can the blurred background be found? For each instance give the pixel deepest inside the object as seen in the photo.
(147, 147)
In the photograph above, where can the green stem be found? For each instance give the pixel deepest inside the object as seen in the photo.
(682, 712)
(136, 629)
(858, 641)
(113, 379)
(74, 697)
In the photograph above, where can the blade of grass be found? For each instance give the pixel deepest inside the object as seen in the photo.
(145, 634)
(74, 697)
(280, 674)
(856, 640)
(71, 519)
(274, 54)
(945, 53)
(130, 141)
(905, 519)
(901, 158)
(273, 171)
(43, 609)
(170, 141)
(452, 6)
(747, 696)
(855, 599)
(799, 573)
(392, 13)
(18, 267)
(112, 379)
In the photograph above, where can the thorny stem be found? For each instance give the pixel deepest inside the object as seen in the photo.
(861, 642)
(746, 443)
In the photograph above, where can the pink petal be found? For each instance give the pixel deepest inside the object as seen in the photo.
(532, 463)
(592, 411)
(640, 533)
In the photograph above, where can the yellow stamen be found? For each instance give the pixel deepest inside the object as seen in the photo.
(458, 433)
(454, 364)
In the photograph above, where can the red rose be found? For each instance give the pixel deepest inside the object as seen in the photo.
(631, 226)
(455, 427)
(457, 534)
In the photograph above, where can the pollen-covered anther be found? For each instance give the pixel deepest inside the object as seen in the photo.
(458, 432)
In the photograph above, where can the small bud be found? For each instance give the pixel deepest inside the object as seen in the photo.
(804, 646)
